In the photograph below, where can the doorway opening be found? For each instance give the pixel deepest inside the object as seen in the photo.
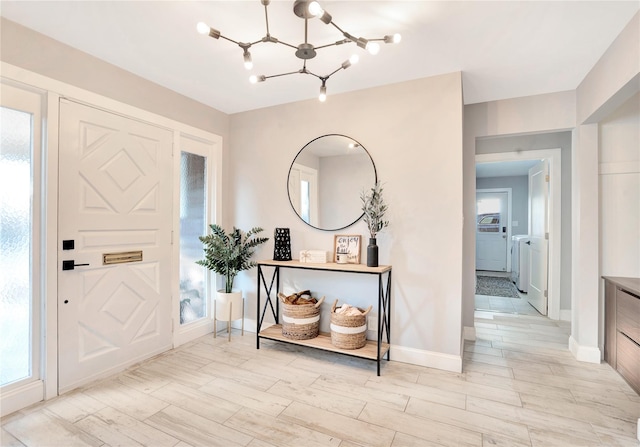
(512, 169)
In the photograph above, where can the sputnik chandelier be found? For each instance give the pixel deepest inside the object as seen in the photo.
(305, 10)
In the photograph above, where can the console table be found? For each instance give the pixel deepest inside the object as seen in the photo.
(373, 350)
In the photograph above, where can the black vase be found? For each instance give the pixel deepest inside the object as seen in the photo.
(372, 253)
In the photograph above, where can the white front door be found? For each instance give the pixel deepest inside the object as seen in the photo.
(491, 231)
(115, 197)
(538, 229)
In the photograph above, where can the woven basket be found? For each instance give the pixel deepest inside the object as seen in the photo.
(301, 321)
(348, 332)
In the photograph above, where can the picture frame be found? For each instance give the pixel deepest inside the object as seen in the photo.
(349, 244)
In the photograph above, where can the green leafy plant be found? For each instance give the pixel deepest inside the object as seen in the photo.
(229, 254)
(373, 207)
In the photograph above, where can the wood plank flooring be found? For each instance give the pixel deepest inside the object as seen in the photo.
(520, 387)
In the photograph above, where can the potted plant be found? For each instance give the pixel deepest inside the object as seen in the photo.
(227, 254)
(373, 208)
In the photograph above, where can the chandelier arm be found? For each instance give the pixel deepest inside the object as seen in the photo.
(333, 72)
(283, 74)
(230, 40)
(306, 26)
(344, 33)
(339, 42)
(266, 16)
(287, 44)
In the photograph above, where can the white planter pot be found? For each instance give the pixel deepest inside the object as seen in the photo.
(228, 307)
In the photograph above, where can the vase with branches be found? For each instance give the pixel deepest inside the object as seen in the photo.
(373, 209)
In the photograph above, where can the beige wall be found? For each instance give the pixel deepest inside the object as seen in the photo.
(40, 54)
(613, 80)
(517, 122)
(537, 141)
(413, 132)
(620, 191)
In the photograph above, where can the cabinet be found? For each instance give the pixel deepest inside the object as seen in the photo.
(374, 349)
(622, 327)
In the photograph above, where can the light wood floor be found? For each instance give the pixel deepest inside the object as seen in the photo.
(520, 387)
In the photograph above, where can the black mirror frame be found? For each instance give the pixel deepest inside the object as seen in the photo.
(375, 174)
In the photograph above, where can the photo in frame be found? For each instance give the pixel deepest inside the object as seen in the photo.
(347, 246)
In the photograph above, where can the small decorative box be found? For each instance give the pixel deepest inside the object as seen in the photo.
(313, 256)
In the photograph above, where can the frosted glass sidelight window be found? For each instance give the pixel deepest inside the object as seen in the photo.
(15, 240)
(193, 223)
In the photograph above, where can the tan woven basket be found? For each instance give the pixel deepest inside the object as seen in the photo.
(348, 332)
(301, 321)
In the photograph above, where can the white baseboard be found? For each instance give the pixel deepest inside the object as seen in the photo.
(565, 314)
(429, 359)
(21, 397)
(469, 333)
(587, 354)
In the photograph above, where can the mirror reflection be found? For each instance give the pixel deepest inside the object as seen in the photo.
(326, 179)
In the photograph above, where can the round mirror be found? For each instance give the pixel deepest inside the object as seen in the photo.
(326, 179)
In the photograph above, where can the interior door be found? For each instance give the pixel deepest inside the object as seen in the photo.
(491, 231)
(115, 197)
(539, 236)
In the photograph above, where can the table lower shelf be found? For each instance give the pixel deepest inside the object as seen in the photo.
(323, 341)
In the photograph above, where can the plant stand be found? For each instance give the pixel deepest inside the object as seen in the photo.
(228, 307)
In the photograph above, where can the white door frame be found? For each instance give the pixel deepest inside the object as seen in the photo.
(54, 91)
(509, 217)
(555, 214)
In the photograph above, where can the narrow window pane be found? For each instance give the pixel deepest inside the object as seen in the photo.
(15, 242)
(193, 212)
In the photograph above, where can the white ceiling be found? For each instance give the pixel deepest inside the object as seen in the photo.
(504, 49)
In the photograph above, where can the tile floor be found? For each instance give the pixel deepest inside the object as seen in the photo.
(500, 304)
(520, 387)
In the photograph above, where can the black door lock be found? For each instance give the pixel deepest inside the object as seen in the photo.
(71, 265)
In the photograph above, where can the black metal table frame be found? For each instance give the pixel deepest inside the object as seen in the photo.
(384, 303)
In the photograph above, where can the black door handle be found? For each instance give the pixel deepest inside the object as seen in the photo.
(528, 242)
(71, 265)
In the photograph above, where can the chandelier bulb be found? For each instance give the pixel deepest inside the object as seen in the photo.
(396, 38)
(254, 79)
(315, 9)
(373, 48)
(203, 28)
(323, 93)
(248, 63)
(354, 59)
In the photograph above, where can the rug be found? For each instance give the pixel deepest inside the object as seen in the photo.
(493, 286)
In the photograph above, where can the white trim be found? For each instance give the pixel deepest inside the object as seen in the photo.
(32, 101)
(50, 354)
(213, 154)
(509, 192)
(565, 315)
(15, 399)
(555, 215)
(587, 354)
(430, 359)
